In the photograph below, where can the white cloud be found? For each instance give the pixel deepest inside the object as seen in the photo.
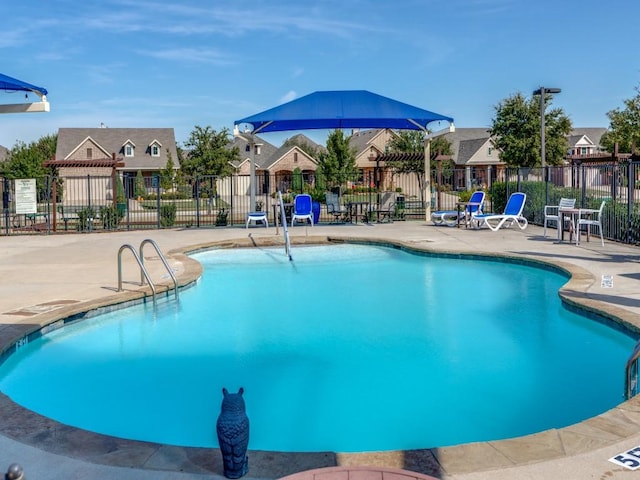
(190, 55)
(290, 95)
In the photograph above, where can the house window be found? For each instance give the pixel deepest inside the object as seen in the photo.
(295, 157)
(155, 151)
(490, 151)
(128, 151)
(89, 153)
(257, 149)
(584, 150)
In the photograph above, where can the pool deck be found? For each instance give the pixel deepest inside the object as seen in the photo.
(45, 278)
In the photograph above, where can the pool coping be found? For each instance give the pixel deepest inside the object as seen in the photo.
(623, 421)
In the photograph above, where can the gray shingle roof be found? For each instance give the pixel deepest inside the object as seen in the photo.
(594, 134)
(467, 148)
(358, 140)
(112, 140)
(263, 158)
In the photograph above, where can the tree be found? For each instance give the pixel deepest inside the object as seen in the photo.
(412, 141)
(624, 128)
(27, 161)
(338, 163)
(297, 180)
(516, 129)
(139, 189)
(209, 153)
(168, 174)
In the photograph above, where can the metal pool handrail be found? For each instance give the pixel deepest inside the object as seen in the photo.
(164, 261)
(285, 231)
(124, 247)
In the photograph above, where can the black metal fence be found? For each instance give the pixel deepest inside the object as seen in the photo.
(97, 203)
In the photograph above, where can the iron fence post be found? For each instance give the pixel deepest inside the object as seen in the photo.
(197, 179)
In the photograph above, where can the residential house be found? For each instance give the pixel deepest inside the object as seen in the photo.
(103, 152)
(369, 147)
(585, 141)
(475, 156)
(274, 163)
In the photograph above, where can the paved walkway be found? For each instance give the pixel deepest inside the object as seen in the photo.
(46, 278)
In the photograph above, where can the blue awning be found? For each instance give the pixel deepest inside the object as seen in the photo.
(12, 84)
(342, 109)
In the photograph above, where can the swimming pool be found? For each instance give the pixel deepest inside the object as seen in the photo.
(349, 348)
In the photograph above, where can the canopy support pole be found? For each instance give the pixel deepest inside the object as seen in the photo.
(427, 167)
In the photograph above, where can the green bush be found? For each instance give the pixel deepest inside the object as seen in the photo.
(110, 217)
(168, 215)
(85, 219)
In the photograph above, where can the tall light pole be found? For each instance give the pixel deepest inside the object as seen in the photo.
(542, 91)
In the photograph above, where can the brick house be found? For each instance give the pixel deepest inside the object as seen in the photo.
(99, 152)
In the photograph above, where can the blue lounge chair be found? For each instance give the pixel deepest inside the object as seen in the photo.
(451, 218)
(512, 214)
(302, 209)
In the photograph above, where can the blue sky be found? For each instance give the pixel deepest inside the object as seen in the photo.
(148, 63)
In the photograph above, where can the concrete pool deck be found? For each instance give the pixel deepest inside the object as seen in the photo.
(45, 278)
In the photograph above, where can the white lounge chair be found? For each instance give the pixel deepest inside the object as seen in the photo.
(451, 218)
(512, 214)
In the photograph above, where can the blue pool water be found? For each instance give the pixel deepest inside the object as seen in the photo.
(348, 348)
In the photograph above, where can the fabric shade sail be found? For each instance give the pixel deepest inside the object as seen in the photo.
(13, 84)
(342, 109)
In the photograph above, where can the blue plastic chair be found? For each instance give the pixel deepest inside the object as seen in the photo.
(302, 209)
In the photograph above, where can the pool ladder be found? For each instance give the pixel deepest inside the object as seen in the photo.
(144, 274)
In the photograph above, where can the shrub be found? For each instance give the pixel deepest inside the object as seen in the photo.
(168, 214)
(110, 217)
(85, 218)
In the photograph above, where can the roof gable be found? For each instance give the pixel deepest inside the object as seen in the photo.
(75, 153)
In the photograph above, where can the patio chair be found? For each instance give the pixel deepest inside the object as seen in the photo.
(385, 210)
(585, 217)
(451, 218)
(334, 208)
(302, 209)
(552, 212)
(512, 214)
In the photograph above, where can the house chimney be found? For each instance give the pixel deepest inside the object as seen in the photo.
(236, 131)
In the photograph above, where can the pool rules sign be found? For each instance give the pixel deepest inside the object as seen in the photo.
(25, 195)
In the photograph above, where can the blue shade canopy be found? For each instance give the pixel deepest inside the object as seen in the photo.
(13, 84)
(342, 109)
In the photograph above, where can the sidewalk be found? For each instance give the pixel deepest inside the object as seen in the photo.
(44, 278)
